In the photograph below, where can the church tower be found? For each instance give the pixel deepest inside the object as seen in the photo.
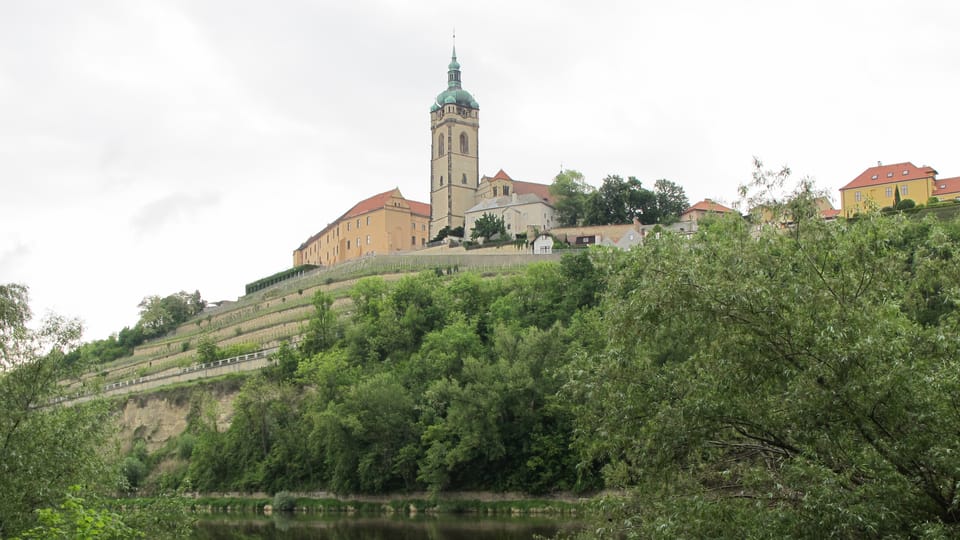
(454, 167)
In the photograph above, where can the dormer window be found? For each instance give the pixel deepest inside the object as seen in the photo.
(906, 172)
(890, 174)
(874, 177)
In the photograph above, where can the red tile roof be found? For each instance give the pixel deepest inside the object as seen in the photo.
(376, 202)
(540, 190)
(946, 186)
(419, 208)
(888, 174)
(707, 205)
(381, 200)
(501, 175)
(371, 203)
(828, 213)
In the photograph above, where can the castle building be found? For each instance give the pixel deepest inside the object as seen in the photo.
(388, 223)
(383, 223)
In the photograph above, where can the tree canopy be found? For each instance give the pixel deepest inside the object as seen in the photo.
(487, 226)
(781, 383)
(617, 201)
(47, 449)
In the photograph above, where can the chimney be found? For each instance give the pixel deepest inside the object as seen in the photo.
(878, 163)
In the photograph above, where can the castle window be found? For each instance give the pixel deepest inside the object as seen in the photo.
(464, 179)
(441, 180)
(413, 241)
(464, 144)
(506, 190)
(440, 145)
(903, 190)
(494, 191)
(358, 243)
(889, 192)
(368, 220)
(348, 244)
(858, 196)
(348, 225)
(368, 240)
(413, 225)
(358, 223)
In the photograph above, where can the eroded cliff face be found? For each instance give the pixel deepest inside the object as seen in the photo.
(158, 417)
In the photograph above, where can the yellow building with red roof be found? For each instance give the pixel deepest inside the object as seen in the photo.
(876, 187)
(383, 223)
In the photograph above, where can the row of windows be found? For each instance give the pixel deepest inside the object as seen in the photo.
(858, 196)
(464, 145)
(358, 223)
(506, 190)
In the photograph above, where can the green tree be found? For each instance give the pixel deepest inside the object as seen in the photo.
(44, 448)
(487, 226)
(671, 200)
(761, 384)
(621, 201)
(161, 315)
(322, 329)
(570, 193)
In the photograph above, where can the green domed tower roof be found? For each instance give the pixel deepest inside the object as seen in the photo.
(454, 94)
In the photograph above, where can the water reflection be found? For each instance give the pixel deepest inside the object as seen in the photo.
(377, 528)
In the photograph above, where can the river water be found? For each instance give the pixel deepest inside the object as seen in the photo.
(335, 527)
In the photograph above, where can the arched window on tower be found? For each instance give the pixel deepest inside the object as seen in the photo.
(464, 144)
(464, 179)
(440, 145)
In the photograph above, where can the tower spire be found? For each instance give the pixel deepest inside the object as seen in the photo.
(453, 75)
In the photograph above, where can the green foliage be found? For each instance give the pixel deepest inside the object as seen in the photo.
(761, 385)
(432, 382)
(905, 204)
(72, 521)
(207, 350)
(46, 449)
(43, 449)
(671, 200)
(322, 329)
(571, 193)
(488, 226)
(284, 501)
(161, 315)
(620, 201)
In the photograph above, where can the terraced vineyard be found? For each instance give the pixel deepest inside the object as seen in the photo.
(263, 320)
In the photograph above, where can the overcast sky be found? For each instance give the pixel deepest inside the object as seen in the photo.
(151, 146)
